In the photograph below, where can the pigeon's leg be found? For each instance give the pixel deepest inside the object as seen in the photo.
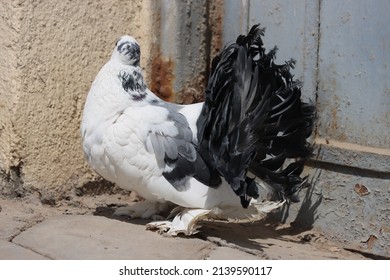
(185, 221)
(143, 210)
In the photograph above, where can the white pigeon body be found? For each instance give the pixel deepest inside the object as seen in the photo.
(117, 146)
(136, 140)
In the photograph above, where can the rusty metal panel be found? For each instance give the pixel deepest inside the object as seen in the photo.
(180, 73)
(354, 73)
(293, 26)
(353, 147)
(342, 50)
(290, 25)
(236, 19)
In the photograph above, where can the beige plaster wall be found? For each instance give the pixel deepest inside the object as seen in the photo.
(9, 87)
(50, 53)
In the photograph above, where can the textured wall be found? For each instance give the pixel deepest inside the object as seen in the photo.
(50, 53)
(9, 87)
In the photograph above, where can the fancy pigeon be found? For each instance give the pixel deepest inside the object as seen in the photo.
(236, 156)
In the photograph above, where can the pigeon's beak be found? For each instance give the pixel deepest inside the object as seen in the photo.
(128, 49)
(129, 52)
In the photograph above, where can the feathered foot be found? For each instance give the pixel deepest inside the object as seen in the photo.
(184, 221)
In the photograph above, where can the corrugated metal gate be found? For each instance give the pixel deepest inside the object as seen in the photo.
(342, 50)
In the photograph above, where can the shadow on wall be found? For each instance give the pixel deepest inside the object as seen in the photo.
(307, 213)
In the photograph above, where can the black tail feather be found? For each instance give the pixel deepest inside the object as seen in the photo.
(254, 120)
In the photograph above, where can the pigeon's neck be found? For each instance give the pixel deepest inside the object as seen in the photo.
(107, 98)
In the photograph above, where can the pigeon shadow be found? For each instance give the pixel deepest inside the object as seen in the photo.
(108, 212)
(251, 235)
(243, 235)
(255, 235)
(307, 212)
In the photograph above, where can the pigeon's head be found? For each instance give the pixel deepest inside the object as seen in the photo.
(127, 51)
